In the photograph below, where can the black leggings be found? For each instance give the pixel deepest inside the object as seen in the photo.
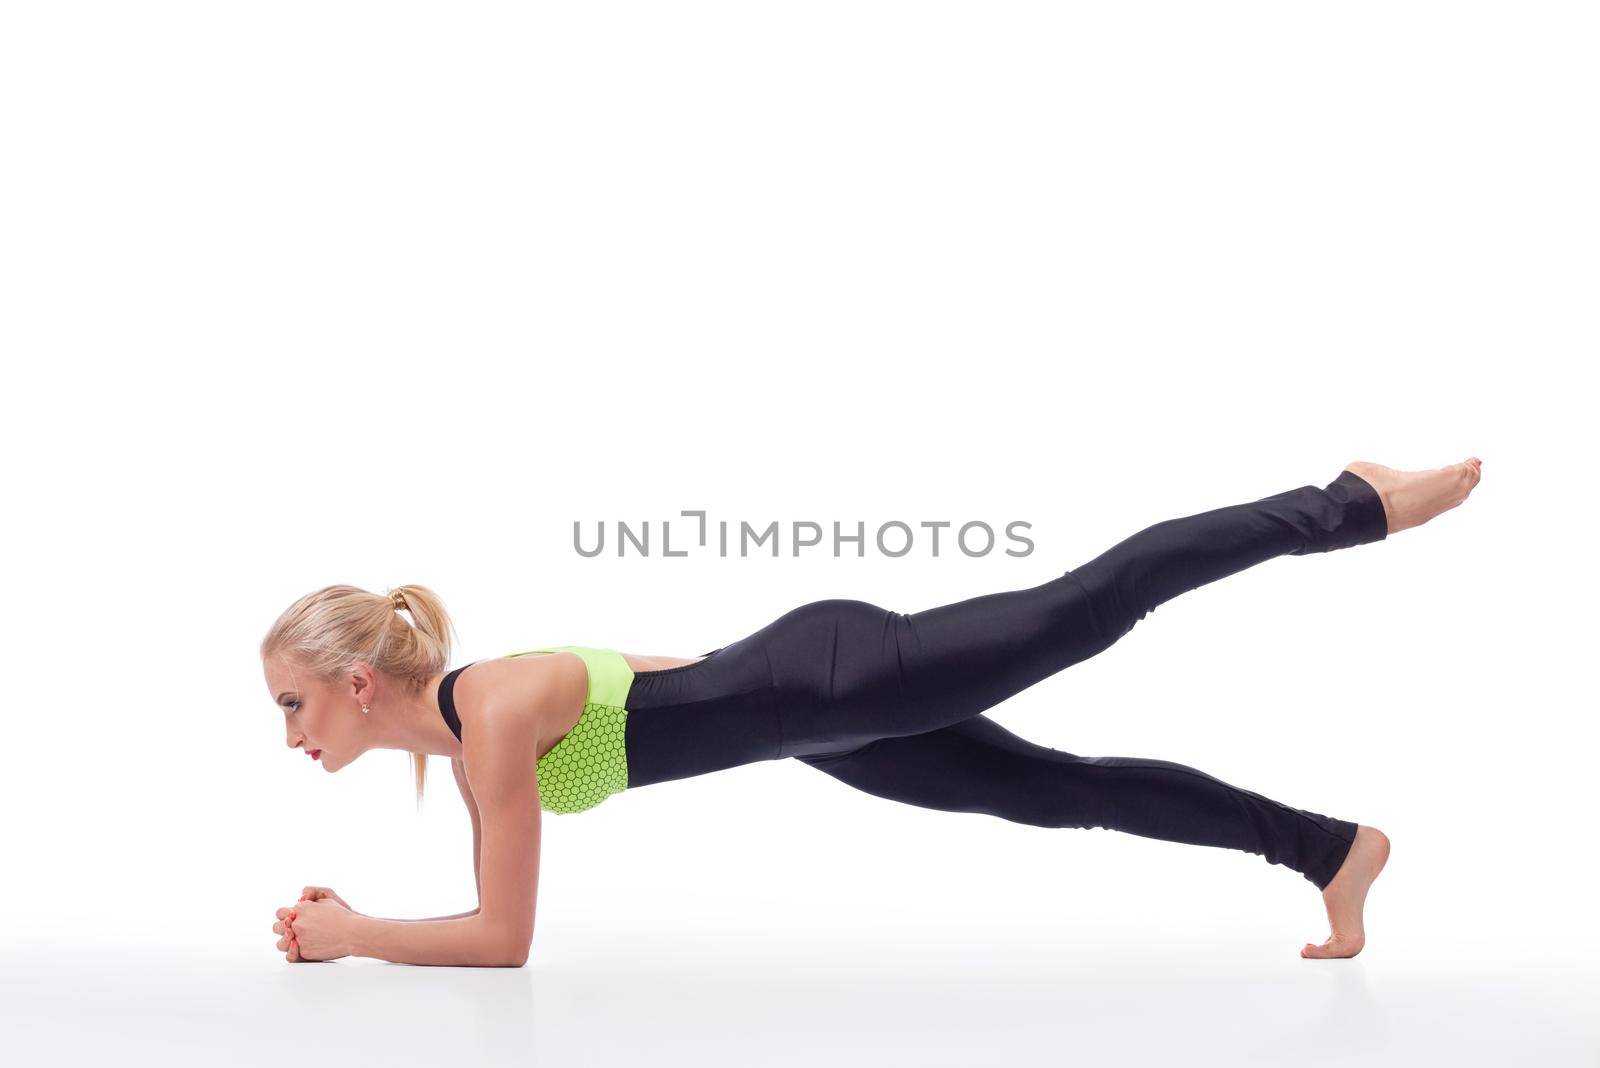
(891, 702)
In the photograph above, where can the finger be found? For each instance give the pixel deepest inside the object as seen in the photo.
(281, 913)
(277, 928)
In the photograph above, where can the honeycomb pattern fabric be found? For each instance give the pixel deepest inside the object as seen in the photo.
(591, 762)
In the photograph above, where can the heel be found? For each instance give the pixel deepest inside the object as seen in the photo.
(1362, 520)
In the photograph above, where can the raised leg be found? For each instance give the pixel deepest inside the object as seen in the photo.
(851, 672)
(1128, 581)
(979, 766)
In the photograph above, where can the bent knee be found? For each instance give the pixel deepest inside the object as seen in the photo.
(1106, 598)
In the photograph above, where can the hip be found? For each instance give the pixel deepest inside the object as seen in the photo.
(803, 684)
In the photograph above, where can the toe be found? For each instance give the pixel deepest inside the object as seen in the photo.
(1336, 948)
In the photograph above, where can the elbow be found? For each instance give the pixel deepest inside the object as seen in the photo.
(504, 945)
(516, 958)
(508, 952)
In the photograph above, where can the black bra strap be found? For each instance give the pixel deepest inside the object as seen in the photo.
(447, 700)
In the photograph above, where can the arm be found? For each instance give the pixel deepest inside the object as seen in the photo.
(430, 919)
(499, 761)
(459, 767)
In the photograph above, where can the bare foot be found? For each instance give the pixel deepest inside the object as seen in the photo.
(1346, 896)
(1411, 498)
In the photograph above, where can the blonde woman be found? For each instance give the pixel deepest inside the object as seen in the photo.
(889, 703)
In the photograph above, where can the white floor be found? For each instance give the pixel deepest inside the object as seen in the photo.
(977, 998)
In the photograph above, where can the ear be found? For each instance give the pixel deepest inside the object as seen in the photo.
(363, 682)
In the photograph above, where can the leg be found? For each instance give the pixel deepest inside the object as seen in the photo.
(1160, 562)
(979, 766)
(849, 672)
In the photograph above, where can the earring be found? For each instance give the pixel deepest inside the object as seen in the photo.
(365, 710)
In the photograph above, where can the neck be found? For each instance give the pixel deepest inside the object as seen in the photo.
(414, 723)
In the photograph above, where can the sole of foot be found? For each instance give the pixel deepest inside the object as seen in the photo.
(1411, 498)
(1346, 897)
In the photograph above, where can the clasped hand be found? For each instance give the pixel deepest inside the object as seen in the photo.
(317, 928)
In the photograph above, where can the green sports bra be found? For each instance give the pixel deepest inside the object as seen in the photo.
(591, 762)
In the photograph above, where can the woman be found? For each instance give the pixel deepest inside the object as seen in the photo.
(889, 703)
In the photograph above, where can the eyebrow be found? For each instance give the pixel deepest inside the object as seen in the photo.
(286, 693)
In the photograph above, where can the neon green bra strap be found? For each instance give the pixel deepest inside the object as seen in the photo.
(610, 677)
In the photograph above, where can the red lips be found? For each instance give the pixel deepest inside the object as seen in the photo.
(314, 754)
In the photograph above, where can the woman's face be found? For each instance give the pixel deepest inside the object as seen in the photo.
(322, 719)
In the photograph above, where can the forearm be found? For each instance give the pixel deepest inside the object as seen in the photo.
(461, 941)
(430, 919)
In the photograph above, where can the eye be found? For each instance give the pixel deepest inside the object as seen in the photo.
(292, 704)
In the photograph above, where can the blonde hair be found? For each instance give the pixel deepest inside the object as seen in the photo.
(328, 630)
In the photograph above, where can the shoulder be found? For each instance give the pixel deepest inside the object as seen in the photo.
(500, 730)
(500, 695)
(504, 707)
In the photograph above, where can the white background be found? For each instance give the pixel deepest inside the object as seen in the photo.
(305, 293)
